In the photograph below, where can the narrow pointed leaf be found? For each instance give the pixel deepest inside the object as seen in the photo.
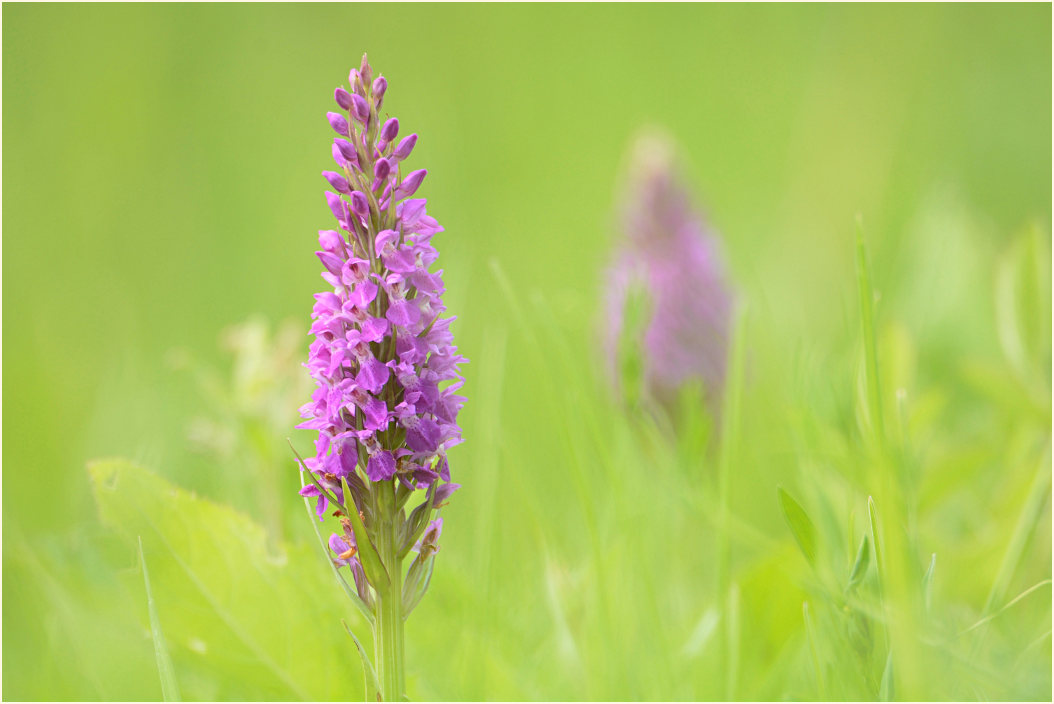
(416, 523)
(418, 577)
(363, 608)
(373, 686)
(867, 322)
(927, 581)
(814, 653)
(872, 514)
(169, 685)
(1019, 597)
(371, 561)
(863, 559)
(314, 480)
(1027, 524)
(801, 527)
(886, 691)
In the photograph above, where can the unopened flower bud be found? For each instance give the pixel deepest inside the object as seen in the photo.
(343, 98)
(338, 157)
(337, 181)
(360, 109)
(382, 168)
(380, 84)
(409, 185)
(390, 129)
(405, 146)
(366, 71)
(330, 240)
(355, 82)
(339, 124)
(347, 150)
(337, 205)
(359, 204)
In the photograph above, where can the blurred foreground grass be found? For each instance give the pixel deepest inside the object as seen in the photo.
(587, 556)
(601, 563)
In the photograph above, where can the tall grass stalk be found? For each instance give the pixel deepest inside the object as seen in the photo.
(727, 457)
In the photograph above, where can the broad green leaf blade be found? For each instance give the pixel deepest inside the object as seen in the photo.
(236, 601)
(373, 685)
(800, 526)
(169, 685)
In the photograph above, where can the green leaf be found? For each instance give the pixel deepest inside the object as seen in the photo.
(169, 686)
(927, 581)
(872, 515)
(1016, 599)
(801, 527)
(886, 691)
(418, 577)
(1027, 525)
(732, 414)
(237, 604)
(863, 559)
(810, 636)
(371, 561)
(415, 526)
(867, 322)
(314, 480)
(373, 685)
(630, 356)
(362, 606)
(1022, 302)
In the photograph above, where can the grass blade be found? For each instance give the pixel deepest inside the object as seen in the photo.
(814, 653)
(872, 515)
(169, 686)
(1019, 597)
(867, 321)
(886, 690)
(800, 525)
(1032, 511)
(927, 582)
(863, 559)
(373, 686)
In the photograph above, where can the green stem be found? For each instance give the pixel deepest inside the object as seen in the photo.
(388, 629)
(727, 459)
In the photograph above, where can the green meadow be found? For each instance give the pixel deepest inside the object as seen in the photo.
(871, 520)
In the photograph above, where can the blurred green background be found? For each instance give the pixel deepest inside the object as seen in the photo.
(161, 183)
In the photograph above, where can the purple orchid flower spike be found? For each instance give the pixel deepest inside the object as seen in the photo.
(386, 370)
(669, 304)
